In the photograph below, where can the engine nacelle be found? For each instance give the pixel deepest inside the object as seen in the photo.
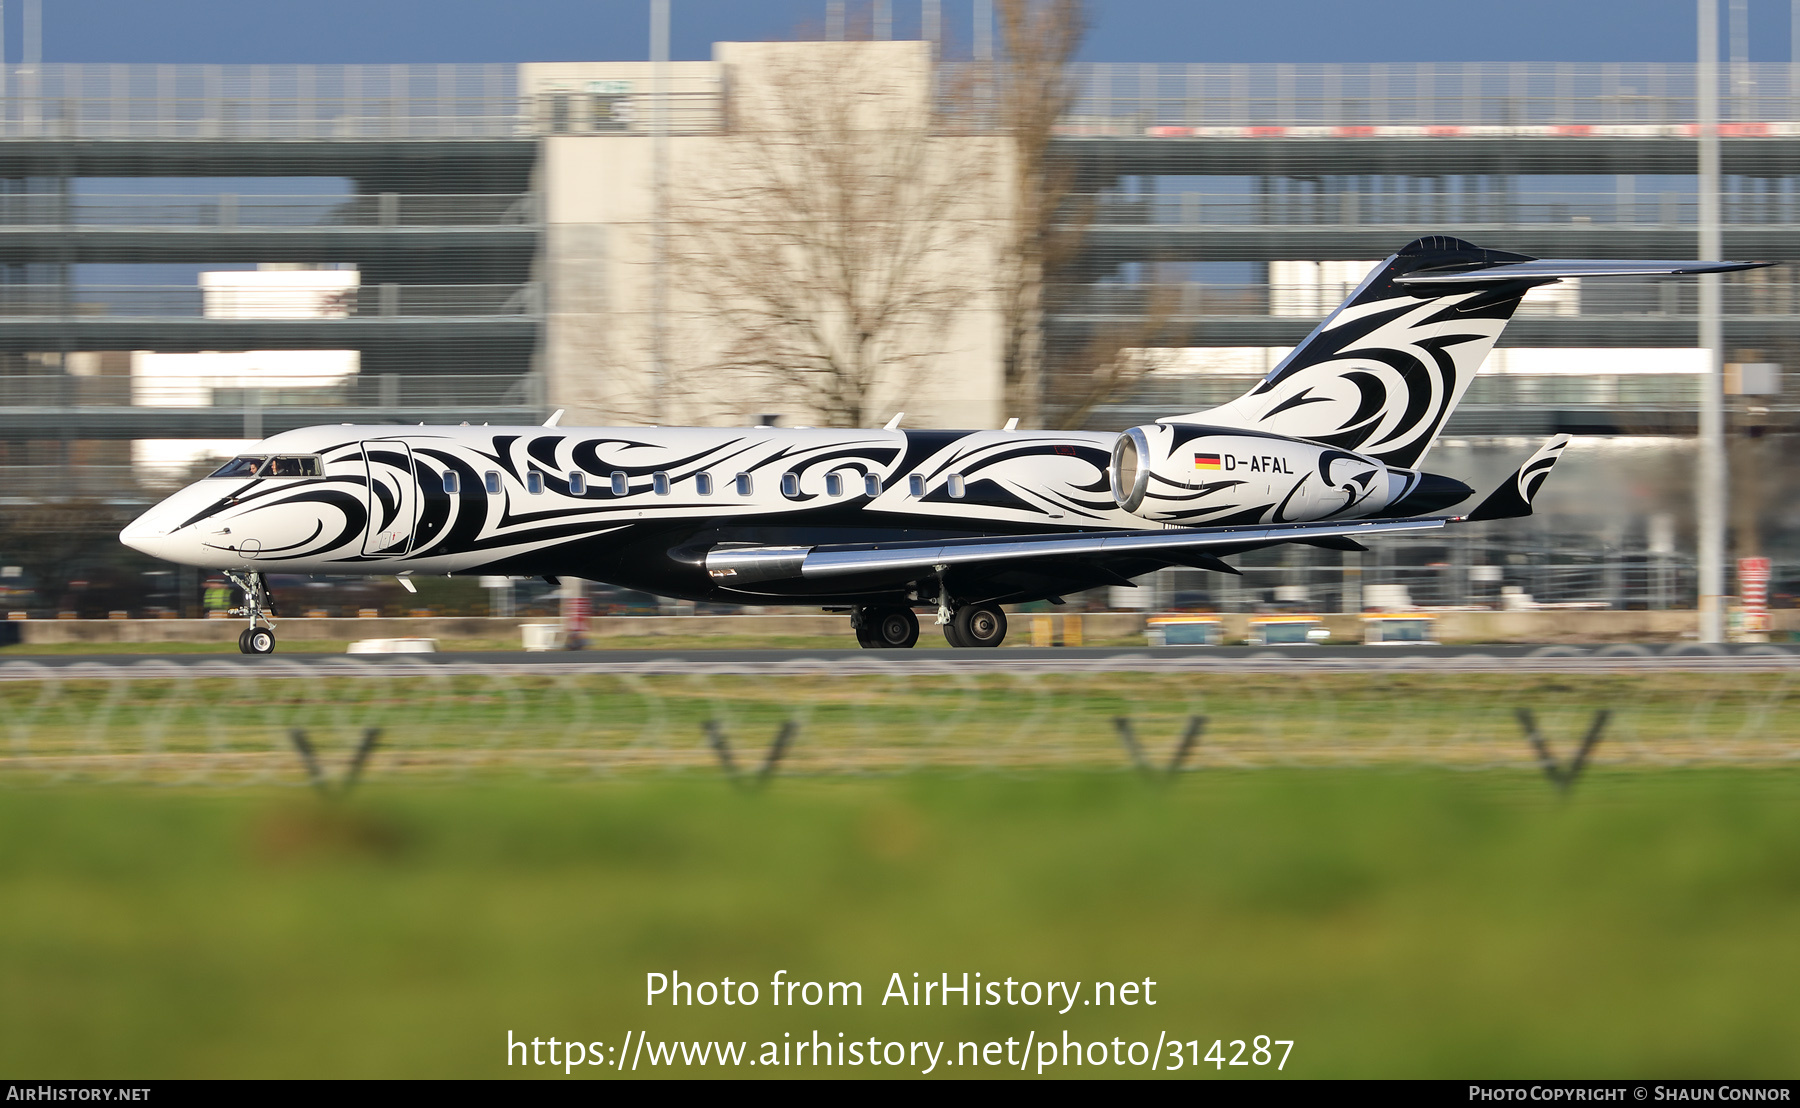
(1189, 474)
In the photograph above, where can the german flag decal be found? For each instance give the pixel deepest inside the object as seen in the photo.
(1206, 461)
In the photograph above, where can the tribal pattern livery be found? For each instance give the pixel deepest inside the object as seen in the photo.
(1324, 451)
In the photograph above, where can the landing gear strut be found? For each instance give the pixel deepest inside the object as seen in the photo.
(259, 637)
(885, 628)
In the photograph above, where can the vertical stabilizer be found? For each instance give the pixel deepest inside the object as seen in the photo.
(1383, 372)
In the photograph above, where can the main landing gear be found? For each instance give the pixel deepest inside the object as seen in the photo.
(259, 637)
(976, 625)
(897, 628)
(885, 628)
(969, 624)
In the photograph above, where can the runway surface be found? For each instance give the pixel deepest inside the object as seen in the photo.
(1483, 658)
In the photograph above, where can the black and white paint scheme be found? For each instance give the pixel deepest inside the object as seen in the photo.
(1324, 451)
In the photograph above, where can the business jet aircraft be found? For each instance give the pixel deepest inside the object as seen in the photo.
(1323, 451)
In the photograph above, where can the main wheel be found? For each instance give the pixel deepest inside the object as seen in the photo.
(892, 628)
(978, 625)
(259, 640)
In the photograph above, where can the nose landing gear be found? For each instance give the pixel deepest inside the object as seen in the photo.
(259, 637)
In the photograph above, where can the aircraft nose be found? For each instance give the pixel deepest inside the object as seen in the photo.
(149, 534)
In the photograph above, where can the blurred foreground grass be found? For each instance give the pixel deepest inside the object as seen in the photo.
(1393, 922)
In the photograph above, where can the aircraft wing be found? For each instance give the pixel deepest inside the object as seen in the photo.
(734, 565)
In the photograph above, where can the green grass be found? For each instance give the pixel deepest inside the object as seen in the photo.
(152, 728)
(1393, 923)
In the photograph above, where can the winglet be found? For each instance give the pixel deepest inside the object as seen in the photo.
(893, 424)
(1513, 498)
(554, 416)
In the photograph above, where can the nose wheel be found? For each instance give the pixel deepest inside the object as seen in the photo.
(259, 637)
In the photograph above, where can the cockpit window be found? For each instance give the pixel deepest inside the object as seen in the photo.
(245, 466)
(294, 465)
(283, 465)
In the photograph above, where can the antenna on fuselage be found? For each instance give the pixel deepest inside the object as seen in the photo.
(554, 416)
(894, 424)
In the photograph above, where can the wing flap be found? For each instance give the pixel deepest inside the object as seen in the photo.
(745, 565)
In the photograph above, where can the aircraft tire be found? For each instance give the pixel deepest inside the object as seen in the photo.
(892, 628)
(980, 625)
(258, 640)
(244, 641)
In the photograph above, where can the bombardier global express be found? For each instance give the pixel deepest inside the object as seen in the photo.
(1324, 451)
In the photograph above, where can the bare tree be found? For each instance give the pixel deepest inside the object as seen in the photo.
(1032, 91)
(1113, 361)
(832, 249)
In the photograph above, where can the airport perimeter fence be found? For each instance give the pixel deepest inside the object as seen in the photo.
(272, 722)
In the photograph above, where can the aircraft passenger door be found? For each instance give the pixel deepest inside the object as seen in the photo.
(393, 498)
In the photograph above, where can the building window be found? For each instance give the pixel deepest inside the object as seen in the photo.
(834, 484)
(790, 484)
(916, 484)
(871, 485)
(577, 483)
(660, 481)
(450, 481)
(620, 483)
(492, 479)
(703, 484)
(955, 484)
(534, 482)
(743, 484)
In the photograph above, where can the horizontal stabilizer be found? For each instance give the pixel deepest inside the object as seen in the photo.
(1513, 498)
(1554, 269)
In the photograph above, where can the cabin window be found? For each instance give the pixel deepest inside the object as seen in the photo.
(916, 484)
(703, 484)
(744, 486)
(492, 479)
(245, 466)
(834, 484)
(621, 484)
(534, 482)
(577, 483)
(790, 484)
(955, 485)
(871, 485)
(450, 481)
(660, 481)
